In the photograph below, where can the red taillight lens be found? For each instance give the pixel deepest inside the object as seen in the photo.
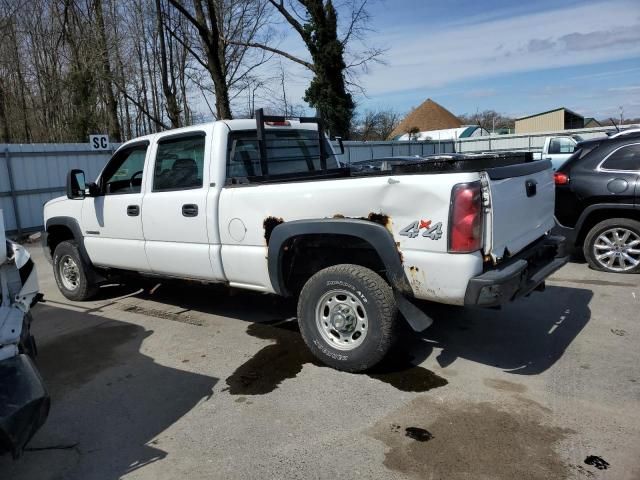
(465, 223)
(560, 178)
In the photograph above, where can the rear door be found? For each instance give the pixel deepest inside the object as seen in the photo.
(522, 206)
(174, 213)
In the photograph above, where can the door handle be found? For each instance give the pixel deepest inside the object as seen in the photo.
(133, 210)
(189, 210)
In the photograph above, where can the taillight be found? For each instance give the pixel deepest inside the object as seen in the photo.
(560, 178)
(465, 222)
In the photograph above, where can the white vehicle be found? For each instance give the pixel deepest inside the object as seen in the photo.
(24, 401)
(557, 150)
(264, 205)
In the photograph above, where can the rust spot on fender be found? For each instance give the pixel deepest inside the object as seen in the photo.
(380, 218)
(269, 224)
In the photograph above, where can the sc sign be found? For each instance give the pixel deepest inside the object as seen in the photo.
(99, 142)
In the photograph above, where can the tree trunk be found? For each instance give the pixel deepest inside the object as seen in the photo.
(112, 105)
(6, 135)
(214, 48)
(173, 111)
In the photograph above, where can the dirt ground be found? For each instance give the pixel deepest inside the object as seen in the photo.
(202, 382)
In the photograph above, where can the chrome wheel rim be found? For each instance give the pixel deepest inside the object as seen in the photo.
(617, 249)
(69, 273)
(342, 319)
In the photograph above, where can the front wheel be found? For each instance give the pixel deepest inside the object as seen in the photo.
(614, 246)
(71, 272)
(347, 316)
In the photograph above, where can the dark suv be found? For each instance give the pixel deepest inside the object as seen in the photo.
(598, 201)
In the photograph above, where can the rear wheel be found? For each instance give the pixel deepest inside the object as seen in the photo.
(71, 272)
(614, 246)
(347, 316)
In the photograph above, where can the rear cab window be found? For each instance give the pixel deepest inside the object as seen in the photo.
(289, 152)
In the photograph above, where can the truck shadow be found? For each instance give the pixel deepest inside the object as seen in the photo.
(526, 337)
(110, 403)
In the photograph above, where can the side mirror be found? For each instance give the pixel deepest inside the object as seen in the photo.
(340, 144)
(76, 185)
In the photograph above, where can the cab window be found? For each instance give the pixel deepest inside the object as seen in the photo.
(179, 163)
(123, 173)
(561, 145)
(625, 158)
(288, 152)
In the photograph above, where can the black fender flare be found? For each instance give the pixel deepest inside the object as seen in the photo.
(73, 225)
(373, 233)
(601, 206)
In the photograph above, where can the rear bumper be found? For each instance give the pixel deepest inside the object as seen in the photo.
(519, 276)
(24, 403)
(570, 234)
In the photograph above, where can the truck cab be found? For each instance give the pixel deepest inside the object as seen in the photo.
(557, 150)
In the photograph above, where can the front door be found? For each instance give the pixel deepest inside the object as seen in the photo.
(174, 213)
(111, 221)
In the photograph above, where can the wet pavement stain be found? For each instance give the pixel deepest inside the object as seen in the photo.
(598, 462)
(419, 434)
(470, 440)
(284, 359)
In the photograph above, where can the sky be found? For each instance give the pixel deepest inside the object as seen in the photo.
(515, 58)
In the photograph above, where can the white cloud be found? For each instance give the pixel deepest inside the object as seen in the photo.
(578, 35)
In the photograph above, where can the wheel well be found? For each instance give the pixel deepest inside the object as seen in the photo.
(306, 255)
(598, 216)
(57, 234)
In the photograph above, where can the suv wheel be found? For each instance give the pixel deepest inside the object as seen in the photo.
(71, 272)
(614, 246)
(347, 316)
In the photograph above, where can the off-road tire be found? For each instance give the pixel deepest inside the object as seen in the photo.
(85, 290)
(377, 299)
(588, 246)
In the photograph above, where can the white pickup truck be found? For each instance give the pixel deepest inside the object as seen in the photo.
(264, 205)
(557, 150)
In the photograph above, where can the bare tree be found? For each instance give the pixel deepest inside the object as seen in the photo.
(316, 22)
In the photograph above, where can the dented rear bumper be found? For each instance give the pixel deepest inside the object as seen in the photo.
(24, 403)
(519, 275)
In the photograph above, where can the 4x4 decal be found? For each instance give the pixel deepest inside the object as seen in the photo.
(434, 232)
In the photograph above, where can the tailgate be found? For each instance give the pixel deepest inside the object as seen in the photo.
(522, 206)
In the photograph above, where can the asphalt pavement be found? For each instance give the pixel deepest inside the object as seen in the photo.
(200, 382)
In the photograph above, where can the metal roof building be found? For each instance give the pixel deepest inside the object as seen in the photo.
(558, 119)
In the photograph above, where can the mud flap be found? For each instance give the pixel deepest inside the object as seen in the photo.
(417, 319)
(24, 403)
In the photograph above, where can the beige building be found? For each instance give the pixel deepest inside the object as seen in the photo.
(558, 119)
